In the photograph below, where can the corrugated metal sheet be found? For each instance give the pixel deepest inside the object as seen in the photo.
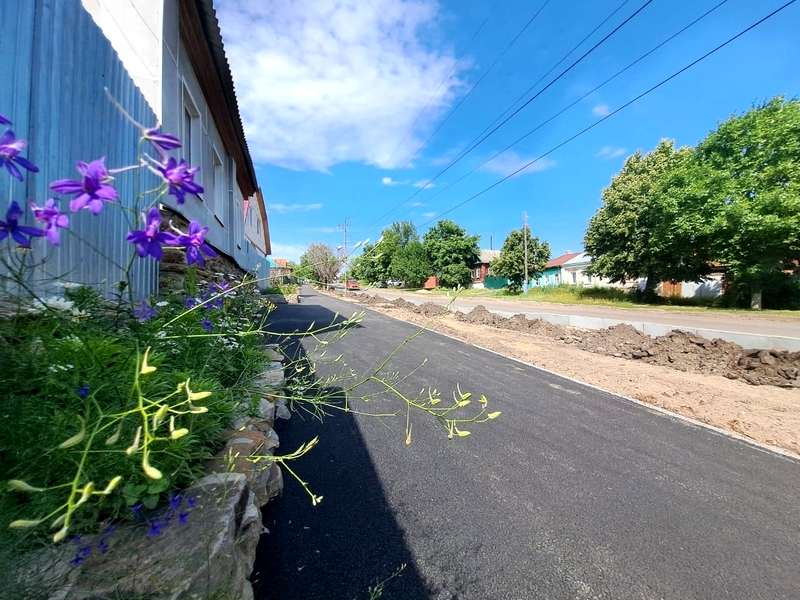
(56, 64)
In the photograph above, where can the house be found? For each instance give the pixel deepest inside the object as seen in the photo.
(174, 52)
(573, 272)
(551, 275)
(481, 271)
(163, 61)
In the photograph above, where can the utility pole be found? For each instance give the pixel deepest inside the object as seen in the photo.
(525, 244)
(344, 247)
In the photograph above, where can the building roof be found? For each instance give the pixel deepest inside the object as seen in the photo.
(487, 256)
(560, 260)
(203, 42)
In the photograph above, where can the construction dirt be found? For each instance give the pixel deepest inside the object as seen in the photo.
(755, 393)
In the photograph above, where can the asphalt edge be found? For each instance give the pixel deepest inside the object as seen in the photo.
(657, 409)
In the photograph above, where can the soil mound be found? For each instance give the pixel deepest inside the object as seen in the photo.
(403, 304)
(429, 309)
(480, 316)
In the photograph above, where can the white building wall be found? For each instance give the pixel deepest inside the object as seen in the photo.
(134, 28)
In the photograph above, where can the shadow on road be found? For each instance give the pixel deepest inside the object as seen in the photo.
(350, 541)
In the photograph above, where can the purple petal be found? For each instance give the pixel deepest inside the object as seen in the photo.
(13, 170)
(7, 137)
(20, 239)
(4, 120)
(24, 162)
(67, 186)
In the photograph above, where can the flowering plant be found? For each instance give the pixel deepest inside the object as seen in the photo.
(118, 394)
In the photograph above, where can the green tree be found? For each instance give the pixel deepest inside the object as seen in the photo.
(411, 264)
(752, 164)
(650, 224)
(449, 248)
(404, 232)
(511, 262)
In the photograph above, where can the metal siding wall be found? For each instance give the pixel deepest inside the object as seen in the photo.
(62, 78)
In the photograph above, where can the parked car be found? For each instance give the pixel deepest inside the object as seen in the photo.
(395, 283)
(352, 284)
(381, 284)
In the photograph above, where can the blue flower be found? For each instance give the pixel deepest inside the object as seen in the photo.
(175, 501)
(12, 227)
(183, 517)
(4, 120)
(81, 555)
(148, 241)
(145, 312)
(83, 391)
(180, 177)
(10, 147)
(156, 528)
(207, 325)
(92, 190)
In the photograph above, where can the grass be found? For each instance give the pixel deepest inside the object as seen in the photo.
(606, 296)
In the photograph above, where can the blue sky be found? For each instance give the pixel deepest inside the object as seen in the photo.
(340, 98)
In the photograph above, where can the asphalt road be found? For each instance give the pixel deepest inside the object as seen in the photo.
(571, 493)
(737, 321)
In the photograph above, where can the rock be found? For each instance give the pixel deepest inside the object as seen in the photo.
(275, 482)
(247, 452)
(274, 353)
(266, 409)
(282, 412)
(271, 378)
(766, 358)
(210, 556)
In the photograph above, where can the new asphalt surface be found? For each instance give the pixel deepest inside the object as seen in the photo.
(571, 493)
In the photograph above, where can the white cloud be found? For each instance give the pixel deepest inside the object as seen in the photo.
(424, 185)
(510, 162)
(389, 181)
(330, 81)
(416, 204)
(284, 208)
(428, 215)
(601, 110)
(609, 152)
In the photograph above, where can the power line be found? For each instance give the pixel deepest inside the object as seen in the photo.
(475, 144)
(586, 95)
(460, 102)
(608, 116)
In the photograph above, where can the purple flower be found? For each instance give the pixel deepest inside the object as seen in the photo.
(180, 177)
(175, 501)
(92, 190)
(81, 555)
(136, 509)
(155, 528)
(183, 517)
(207, 325)
(192, 502)
(4, 120)
(10, 147)
(102, 547)
(18, 232)
(83, 391)
(52, 217)
(195, 243)
(148, 241)
(190, 302)
(163, 142)
(145, 312)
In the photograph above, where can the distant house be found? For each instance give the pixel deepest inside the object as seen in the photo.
(480, 269)
(551, 276)
(164, 62)
(573, 272)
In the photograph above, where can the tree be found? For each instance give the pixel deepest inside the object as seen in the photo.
(511, 262)
(411, 265)
(650, 224)
(752, 164)
(448, 245)
(322, 262)
(404, 232)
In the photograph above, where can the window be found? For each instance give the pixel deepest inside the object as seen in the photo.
(574, 277)
(190, 130)
(219, 192)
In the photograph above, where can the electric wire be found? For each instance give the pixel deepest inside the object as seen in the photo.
(608, 116)
(586, 95)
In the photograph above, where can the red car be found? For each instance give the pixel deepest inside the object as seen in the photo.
(352, 284)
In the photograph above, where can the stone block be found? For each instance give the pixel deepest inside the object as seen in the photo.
(210, 556)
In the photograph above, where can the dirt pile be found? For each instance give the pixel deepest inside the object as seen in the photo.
(429, 309)
(403, 305)
(677, 350)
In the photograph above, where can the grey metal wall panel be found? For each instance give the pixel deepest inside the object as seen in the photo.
(57, 101)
